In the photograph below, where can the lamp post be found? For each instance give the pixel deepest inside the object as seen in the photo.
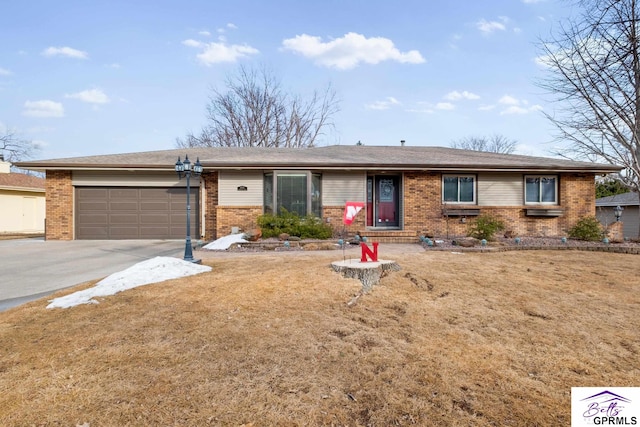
(184, 169)
(617, 211)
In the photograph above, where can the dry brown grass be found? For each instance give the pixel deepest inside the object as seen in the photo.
(492, 339)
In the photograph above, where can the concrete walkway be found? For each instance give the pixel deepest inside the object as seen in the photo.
(33, 268)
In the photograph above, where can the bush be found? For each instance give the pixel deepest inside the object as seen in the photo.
(587, 228)
(307, 227)
(484, 227)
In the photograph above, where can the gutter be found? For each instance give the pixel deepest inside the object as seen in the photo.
(360, 167)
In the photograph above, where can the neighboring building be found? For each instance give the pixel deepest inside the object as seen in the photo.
(22, 202)
(406, 190)
(630, 217)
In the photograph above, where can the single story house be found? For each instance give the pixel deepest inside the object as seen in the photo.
(406, 191)
(22, 202)
(629, 202)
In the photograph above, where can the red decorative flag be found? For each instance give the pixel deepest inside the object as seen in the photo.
(351, 209)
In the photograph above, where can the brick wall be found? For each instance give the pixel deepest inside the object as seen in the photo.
(423, 203)
(577, 197)
(243, 217)
(333, 216)
(423, 208)
(59, 206)
(210, 203)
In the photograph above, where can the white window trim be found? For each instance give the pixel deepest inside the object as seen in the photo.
(475, 189)
(555, 202)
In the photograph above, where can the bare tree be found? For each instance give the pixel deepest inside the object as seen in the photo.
(494, 144)
(14, 148)
(593, 65)
(254, 111)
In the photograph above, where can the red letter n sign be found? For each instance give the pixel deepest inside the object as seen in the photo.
(367, 252)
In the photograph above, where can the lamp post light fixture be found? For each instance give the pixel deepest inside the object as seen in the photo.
(184, 169)
(617, 211)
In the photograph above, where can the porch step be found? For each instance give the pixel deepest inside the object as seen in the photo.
(390, 236)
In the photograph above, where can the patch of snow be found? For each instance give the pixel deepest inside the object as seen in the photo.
(154, 270)
(224, 242)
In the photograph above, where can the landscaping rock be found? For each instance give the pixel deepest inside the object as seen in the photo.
(253, 235)
(284, 236)
(467, 242)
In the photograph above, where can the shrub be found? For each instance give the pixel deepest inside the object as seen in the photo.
(484, 227)
(307, 227)
(587, 228)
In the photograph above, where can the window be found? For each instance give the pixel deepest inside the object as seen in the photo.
(541, 189)
(298, 192)
(459, 189)
(268, 193)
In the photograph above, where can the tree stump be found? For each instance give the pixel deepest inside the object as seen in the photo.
(369, 273)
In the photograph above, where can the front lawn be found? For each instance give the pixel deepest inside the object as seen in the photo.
(267, 339)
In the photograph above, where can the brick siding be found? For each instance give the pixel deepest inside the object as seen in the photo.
(422, 210)
(59, 206)
(243, 217)
(333, 216)
(210, 182)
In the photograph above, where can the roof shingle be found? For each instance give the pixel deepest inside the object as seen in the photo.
(21, 181)
(326, 157)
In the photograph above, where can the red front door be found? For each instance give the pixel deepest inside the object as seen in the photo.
(383, 201)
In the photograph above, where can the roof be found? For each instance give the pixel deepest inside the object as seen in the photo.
(327, 157)
(21, 182)
(624, 199)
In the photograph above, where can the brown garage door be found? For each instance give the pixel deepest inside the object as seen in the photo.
(134, 213)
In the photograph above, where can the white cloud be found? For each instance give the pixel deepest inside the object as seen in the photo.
(65, 51)
(192, 43)
(488, 27)
(92, 96)
(4, 72)
(43, 108)
(455, 96)
(517, 106)
(509, 100)
(486, 107)
(445, 106)
(229, 26)
(204, 33)
(350, 50)
(514, 109)
(115, 65)
(383, 105)
(217, 52)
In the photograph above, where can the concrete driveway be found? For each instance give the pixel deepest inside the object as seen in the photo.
(33, 268)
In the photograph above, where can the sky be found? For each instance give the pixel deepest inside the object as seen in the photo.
(82, 78)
